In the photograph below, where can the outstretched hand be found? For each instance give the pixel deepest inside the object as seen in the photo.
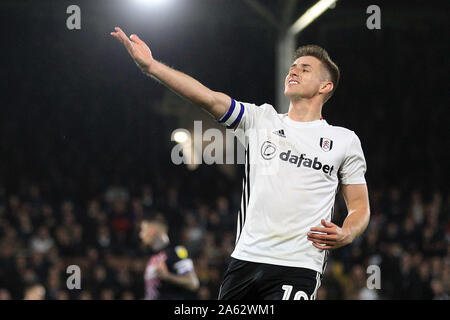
(137, 49)
(331, 236)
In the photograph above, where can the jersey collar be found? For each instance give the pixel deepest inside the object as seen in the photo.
(303, 124)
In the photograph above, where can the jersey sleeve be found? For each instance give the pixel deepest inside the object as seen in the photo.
(242, 116)
(182, 264)
(354, 167)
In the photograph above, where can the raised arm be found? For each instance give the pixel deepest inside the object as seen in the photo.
(216, 103)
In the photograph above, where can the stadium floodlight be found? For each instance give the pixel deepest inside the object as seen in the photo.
(310, 15)
(180, 136)
(151, 2)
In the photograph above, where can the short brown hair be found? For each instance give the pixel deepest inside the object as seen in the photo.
(320, 53)
(156, 218)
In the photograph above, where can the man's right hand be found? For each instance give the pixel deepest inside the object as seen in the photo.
(137, 49)
(216, 103)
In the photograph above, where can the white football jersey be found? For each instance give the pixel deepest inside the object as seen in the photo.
(292, 173)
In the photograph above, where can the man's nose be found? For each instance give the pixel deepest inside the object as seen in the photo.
(293, 72)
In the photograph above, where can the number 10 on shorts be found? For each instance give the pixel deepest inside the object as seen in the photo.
(299, 295)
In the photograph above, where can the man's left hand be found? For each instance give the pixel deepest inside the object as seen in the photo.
(331, 236)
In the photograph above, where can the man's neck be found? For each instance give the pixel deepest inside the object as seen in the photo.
(305, 110)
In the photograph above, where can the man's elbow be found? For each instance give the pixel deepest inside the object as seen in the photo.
(366, 215)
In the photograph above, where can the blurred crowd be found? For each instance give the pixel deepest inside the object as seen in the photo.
(77, 122)
(408, 240)
(407, 243)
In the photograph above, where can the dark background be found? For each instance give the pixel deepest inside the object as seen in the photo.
(74, 106)
(77, 116)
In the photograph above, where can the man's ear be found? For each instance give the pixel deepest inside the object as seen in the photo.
(326, 87)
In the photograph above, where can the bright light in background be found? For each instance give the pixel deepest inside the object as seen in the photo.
(192, 154)
(310, 15)
(152, 2)
(180, 136)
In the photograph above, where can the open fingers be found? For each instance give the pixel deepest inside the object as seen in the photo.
(136, 39)
(122, 37)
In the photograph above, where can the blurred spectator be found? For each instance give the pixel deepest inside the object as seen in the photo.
(35, 292)
(438, 290)
(408, 238)
(42, 242)
(193, 234)
(62, 295)
(147, 197)
(128, 295)
(86, 295)
(4, 294)
(107, 294)
(103, 239)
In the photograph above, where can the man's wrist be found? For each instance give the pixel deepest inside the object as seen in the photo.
(348, 235)
(152, 69)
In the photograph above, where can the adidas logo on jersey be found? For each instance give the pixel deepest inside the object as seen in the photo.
(280, 133)
(305, 162)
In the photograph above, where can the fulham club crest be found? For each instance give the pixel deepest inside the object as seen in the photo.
(326, 144)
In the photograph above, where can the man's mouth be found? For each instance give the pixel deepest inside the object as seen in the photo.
(293, 82)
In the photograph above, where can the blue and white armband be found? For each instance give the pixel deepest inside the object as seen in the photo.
(233, 115)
